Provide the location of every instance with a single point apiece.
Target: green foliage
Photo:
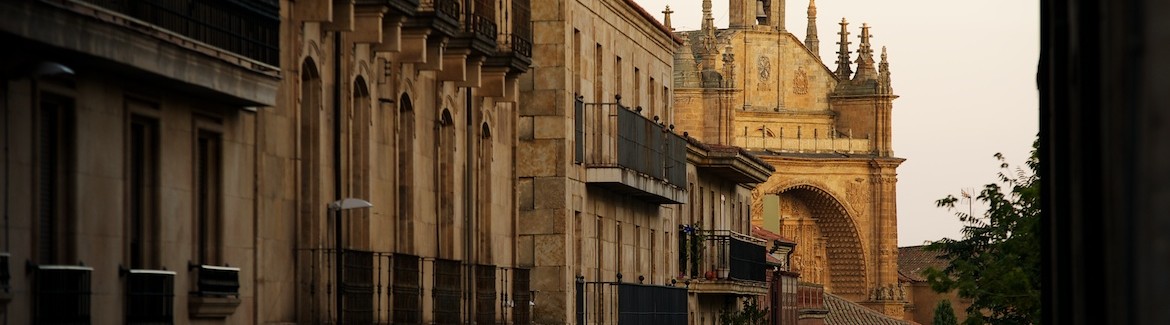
(997, 263)
(696, 243)
(751, 314)
(944, 314)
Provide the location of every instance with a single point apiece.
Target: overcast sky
(965, 71)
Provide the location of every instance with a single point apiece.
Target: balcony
(62, 294)
(629, 303)
(217, 291)
(515, 51)
(150, 296)
(630, 154)
(249, 28)
(723, 261)
(442, 16)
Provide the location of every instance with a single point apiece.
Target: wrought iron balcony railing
(250, 28)
(218, 281)
(724, 255)
(629, 303)
(521, 37)
(613, 135)
(62, 294)
(150, 296)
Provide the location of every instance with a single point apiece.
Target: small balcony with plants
(722, 261)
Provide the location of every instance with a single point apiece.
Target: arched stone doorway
(829, 247)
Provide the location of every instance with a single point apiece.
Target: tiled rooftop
(845, 312)
(912, 260)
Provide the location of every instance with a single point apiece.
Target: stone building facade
(176, 161)
(411, 107)
(611, 193)
(826, 132)
(130, 149)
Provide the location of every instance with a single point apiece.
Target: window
(446, 166)
(617, 76)
(208, 197)
(142, 222)
(405, 172)
(638, 90)
(55, 158)
(598, 71)
(576, 48)
(484, 226)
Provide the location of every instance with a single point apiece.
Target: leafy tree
(944, 314)
(997, 263)
(751, 314)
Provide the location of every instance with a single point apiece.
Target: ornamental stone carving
(800, 81)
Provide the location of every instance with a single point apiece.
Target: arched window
(446, 169)
(309, 153)
(405, 175)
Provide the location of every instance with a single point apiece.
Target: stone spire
(865, 69)
(843, 69)
(708, 19)
(666, 17)
(728, 68)
(708, 39)
(810, 38)
(884, 86)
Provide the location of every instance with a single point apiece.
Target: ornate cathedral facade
(826, 130)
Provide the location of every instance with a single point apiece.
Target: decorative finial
(810, 39)
(666, 17)
(885, 86)
(844, 70)
(865, 69)
(708, 45)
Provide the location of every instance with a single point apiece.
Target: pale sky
(966, 74)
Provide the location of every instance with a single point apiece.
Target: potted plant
(696, 243)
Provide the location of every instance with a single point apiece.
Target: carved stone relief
(800, 81)
(764, 65)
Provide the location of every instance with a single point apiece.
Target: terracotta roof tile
(913, 260)
(845, 312)
(761, 233)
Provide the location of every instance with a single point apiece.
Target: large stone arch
(844, 267)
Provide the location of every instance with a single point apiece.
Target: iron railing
(220, 281)
(522, 298)
(521, 37)
(446, 291)
(357, 287)
(612, 135)
(388, 288)
(250, 28)
(629, 303)
(727, 255)
(150, 296)
(405, 291)
(481, 20)
(448, 8)
(485, 294)
(62, 294)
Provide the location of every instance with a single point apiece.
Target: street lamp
(337, 207)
